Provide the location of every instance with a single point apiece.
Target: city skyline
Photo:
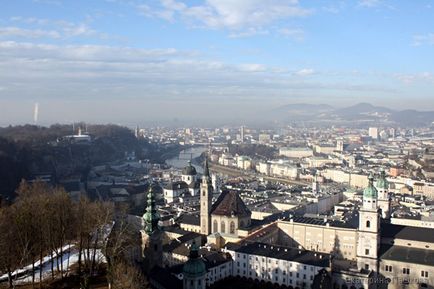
(132, 61)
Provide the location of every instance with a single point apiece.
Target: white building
(276, 264)
(296, 152)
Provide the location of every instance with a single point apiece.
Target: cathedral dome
(370, 191)
(194, 267)
(382, 183)
(189, 170)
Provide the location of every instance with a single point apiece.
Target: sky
(135, 61)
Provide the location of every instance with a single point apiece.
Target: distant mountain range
(357, 112)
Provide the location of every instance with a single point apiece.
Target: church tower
(369, 227)
(194, 270)
(382, 187)
(152, 235)
(206, 192)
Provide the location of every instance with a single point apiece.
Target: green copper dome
(151, 217)
(194, 267)
(370, 191)
(382, 183)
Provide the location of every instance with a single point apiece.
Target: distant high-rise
(242, 133)
(373, 132)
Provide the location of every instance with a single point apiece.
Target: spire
(370, 191)
(382, 182)
(151, 217)
(206, 168)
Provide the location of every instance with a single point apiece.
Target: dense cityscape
(216, 144)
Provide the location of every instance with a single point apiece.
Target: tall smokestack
(36, 113)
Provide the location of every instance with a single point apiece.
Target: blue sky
(132, 61)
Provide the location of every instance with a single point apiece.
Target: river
(181, 160)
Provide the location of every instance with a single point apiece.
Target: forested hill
(28, 150)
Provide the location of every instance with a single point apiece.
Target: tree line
(44, 222)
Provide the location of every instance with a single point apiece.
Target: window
(367, 266)
(368, 224)
(222, 227)
(405, 271)
(388, 268)
(366, 251)
(215, 225)
(424, 274)
(232, 227)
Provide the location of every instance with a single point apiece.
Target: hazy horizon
(167, 61)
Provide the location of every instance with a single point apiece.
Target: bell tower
(382, 187)
(206, 191)
(369, 227)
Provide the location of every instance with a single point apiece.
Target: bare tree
(126, 276)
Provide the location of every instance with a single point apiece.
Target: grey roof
(180, 185)
(407, 254)
(282, 253)
(407, 233)
(190, 219)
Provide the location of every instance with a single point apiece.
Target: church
(186, 188)
(222, 220)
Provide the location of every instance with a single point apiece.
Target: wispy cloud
(369, 3)
(305, 72)
(27, 33)
(415, 77)
(423, 39)
(293, 33)
(61, 28)
(242, 17)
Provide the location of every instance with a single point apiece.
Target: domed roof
(194, 267)
(370, 191)
(189, 170)
(382, 183)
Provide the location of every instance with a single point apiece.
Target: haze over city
(173, 61)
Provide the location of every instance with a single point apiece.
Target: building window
(405, 271)
(424, 274)
(388, 268)
(232, 227)
(368, 224)
(223, 227)
(367, 266)
(215, 226)
(366, 251)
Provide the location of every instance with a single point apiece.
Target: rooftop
(282, 253)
